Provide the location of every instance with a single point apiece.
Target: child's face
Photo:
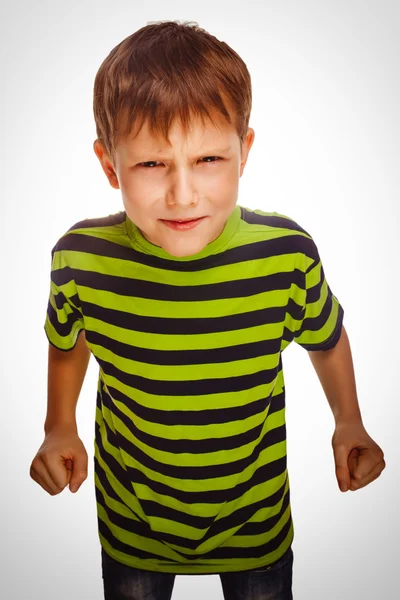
(179, 182)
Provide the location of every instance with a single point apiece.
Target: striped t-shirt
(190, 437)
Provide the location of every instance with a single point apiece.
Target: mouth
(182, 220)
(182, 224)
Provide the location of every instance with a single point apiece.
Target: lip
(182, 220)
(184, 224)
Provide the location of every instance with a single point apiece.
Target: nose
(182, 190)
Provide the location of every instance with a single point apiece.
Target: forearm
(66, 373)
(335, 371)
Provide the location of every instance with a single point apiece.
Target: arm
(358, 459)
(66, 373)
(62, 457)
(335, 372)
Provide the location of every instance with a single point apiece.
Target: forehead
(198, 134)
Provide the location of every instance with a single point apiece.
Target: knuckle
(35, 463)
(44, 457)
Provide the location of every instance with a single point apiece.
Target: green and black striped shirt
(190, 435)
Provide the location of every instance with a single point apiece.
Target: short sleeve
(320, 324)
(64, 319)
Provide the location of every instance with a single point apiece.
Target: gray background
(326, 153)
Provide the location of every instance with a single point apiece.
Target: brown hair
(168, 69)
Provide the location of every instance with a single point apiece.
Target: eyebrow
(159, 152)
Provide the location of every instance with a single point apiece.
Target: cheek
(132, 189)
(224, 185)
(138, 196)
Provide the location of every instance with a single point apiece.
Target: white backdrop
(326, 153)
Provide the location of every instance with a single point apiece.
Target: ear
(247, 144)
(106, 163)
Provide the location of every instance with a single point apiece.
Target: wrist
(60, 426)
(353, 418)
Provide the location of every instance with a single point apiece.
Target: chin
(181, 251)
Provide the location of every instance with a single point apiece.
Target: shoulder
(91, 232)
(99, 223)
(292, 236)
(270, 219)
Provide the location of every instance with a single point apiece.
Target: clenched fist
(61, 460)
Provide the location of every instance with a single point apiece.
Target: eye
(216, 157)
(146, 165)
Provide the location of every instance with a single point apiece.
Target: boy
(187, 301)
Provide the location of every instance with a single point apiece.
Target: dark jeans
(268, 583)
